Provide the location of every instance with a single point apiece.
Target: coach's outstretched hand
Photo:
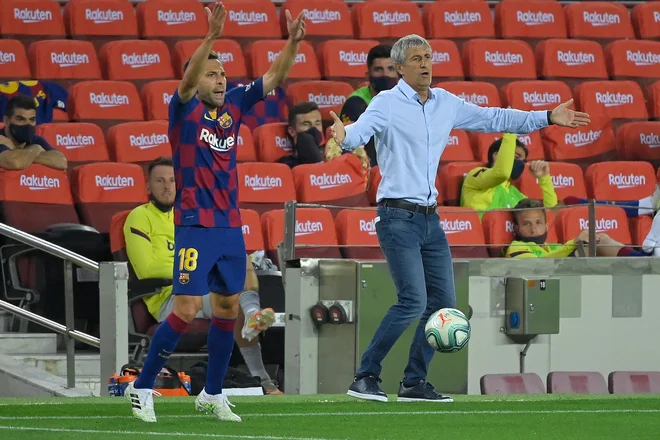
(296, 27)
(565, 117)
(337, 129)
(216, 19)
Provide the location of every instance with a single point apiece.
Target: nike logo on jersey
(217, 144)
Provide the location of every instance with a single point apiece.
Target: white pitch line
(157, 433)
(354, 414)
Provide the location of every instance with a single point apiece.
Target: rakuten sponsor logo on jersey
(474, 98)
(261, 183)
(602, 225)
(462, 18)
(534, 18)
(391, 18)
(440, 57)
(74, 141)
(110, 183)
(103, 17)
(7, 57)
(609, 99)
(600, 18)
(499, 59)
(325, 101)
(69, 59)
(572, 59)
(455, 226)
(353, 58)
(368, 226)
(28, 16)
(216, 143)
(300, 58)
(316, 16)
(36, 183)
(104, 100)
(582, 138)
(146, 141)
(307, 228)
(640, 58)
(651, 140)
(243, 18)
(326, 181)
(179, 17)
(543, 99)
(622, 181)
(137, 61)
(283, 143)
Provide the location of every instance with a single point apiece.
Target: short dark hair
(160, 161)
(212, 56)
(380, 51)
(495, 147)
(528, 204)
(301, 108)
(23, 102)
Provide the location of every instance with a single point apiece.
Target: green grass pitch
(340, 417)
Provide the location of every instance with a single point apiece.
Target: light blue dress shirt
(410, 137)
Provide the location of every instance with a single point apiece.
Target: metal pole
(113, 291)
(289, 244)
(70, 323)
(592, 228)
(51, 325)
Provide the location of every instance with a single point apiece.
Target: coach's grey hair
(400, 48)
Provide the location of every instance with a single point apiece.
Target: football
(447, 330)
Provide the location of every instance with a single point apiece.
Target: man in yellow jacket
(487, 188)
(149, 234)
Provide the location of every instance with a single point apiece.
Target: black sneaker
(367, 388)
(422, 392)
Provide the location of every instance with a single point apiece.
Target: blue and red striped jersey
(204, 156)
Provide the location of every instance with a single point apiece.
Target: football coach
(411, 124)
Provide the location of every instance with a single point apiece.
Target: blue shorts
(208, 260)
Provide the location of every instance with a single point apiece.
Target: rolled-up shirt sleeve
(372, 122)
(494, 119)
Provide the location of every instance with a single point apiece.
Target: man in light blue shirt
(411, 125)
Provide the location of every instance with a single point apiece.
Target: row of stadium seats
(572, 382)
(249, 19)
(100, 190)
(345, 60)
(142, 141)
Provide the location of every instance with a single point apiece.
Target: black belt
(396, 203)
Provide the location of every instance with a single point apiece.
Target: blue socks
(163, 343)
(220, 346)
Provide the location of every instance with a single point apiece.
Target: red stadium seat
(571, 61)
(245, 144)
(325, 18)
(530, 21)
(64, 60)
(264, 186)
(601, 21)
(271, 142)
(464, 233)
(617, 100)
(171, 20)
(262, 53)
(653, 93)
(576, 382)
(252, 232)
(583, 145)
(328, 95)
(611, 220)
(446, 60)
(137, 61)
(637, 60)
(345, 60)
(634, 382)
(248, 20)
(229, 53)
(100, 21)
(482, 141)
(535, 95)
(356, 229)
(450, 180)
(458, 20)
(567, 178)
(31, 20)
(620, 181)
(458, 148)
(386, 20)
(645, 18)
(640, 228)
(498, 61)
(80, 142)
(522, 383)
(14, 63)
(139, 142)
(156, 96)
(639, 141)
(483, 94)
(372, 184)
(105, 103)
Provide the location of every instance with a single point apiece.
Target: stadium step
(28, 343)
(86, 364)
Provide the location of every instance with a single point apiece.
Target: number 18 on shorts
(208, 260)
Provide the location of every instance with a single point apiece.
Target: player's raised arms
(196, 67)
(281, 67)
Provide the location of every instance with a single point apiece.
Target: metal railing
(113, 278)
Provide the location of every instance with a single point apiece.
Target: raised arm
(195, 69)
(494, 120)
(281, 67)
(371, 122)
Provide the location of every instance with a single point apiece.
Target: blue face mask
(518, 168)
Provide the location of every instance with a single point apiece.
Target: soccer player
(209, 247)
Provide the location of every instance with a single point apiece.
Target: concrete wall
(608, 318)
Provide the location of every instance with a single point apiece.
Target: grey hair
(400, 48)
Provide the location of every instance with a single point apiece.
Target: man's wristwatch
(549, 119)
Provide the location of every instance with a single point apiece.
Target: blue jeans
(418, 256)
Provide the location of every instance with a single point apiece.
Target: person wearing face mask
(530, 231)
(490, 187)
(20, 147)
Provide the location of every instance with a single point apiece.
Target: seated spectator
(651, 243)
(490, 187)
(305, 132)
(48, 96)
(20, 147)
(149, 234)
(381, 75)
(531, 231)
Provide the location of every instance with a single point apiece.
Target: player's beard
(211, 102)
(164, 207)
